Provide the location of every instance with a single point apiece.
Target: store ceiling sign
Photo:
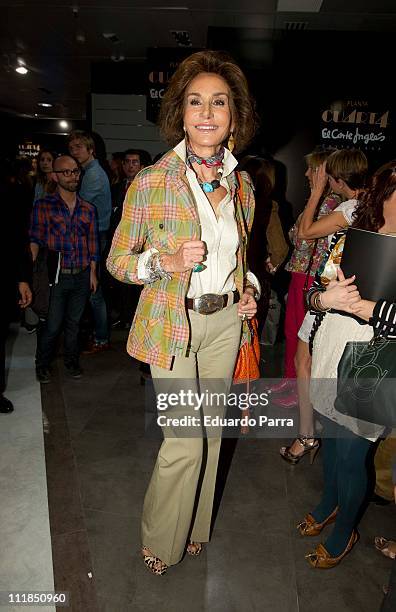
(28, 149)
(355, 123)
(162, 63)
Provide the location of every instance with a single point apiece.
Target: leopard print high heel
(153, 564)
(194, 549)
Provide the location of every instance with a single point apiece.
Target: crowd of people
(174, 251)
(60, 232)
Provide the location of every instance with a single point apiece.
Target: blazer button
(161, 226)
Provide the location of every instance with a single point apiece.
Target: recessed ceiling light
(64, 125)
(21, 70)
(299, 6)
(111, 37)
(44, 104)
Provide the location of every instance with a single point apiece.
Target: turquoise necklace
(210, 162)
(209, 187)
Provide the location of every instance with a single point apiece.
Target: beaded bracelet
(150, 271)
(157, 268)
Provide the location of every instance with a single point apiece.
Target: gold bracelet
(316, 302)
(323, 308)
(312, 300)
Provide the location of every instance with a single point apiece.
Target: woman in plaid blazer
(183, 234)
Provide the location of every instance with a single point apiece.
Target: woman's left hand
(247, 305)
(363, 309)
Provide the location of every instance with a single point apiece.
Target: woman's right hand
(190, 253)
(341, 294)
(319, 179)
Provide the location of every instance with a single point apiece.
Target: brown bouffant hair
(369, 213)
(350, 165)
(241, 103)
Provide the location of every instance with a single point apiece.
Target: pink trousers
(295, 313)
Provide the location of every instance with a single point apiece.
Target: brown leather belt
(211, 302)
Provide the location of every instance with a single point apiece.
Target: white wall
(121, 122)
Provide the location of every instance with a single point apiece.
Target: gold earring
(231, 142)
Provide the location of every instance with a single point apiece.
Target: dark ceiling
(58, 40)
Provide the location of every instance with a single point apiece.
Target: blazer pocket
(148, 333)
(151, 305)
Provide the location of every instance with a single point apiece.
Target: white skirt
(329, 344)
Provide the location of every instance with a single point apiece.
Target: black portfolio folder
(372, 257)
(54, 259)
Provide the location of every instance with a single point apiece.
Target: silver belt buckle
(209, 303)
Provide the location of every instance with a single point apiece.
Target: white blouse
(220, 235)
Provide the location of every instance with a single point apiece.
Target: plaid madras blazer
(160, 211)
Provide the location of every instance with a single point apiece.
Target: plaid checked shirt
(75, 236)
(160, 211)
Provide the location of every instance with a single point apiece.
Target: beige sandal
(153, 564)
(386, 547)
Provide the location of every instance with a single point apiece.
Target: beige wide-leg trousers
(175, 508)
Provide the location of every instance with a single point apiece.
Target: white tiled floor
(25, 551)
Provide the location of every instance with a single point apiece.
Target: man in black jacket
(16, 263)
(124, 298)
(131, 165)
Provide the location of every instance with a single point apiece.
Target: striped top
(384, 319)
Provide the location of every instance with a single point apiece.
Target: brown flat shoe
(321, 558)
(309, 527)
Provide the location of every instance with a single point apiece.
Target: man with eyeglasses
(66, 225)
(94, 188)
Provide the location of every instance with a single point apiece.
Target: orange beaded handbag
(247, 366)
